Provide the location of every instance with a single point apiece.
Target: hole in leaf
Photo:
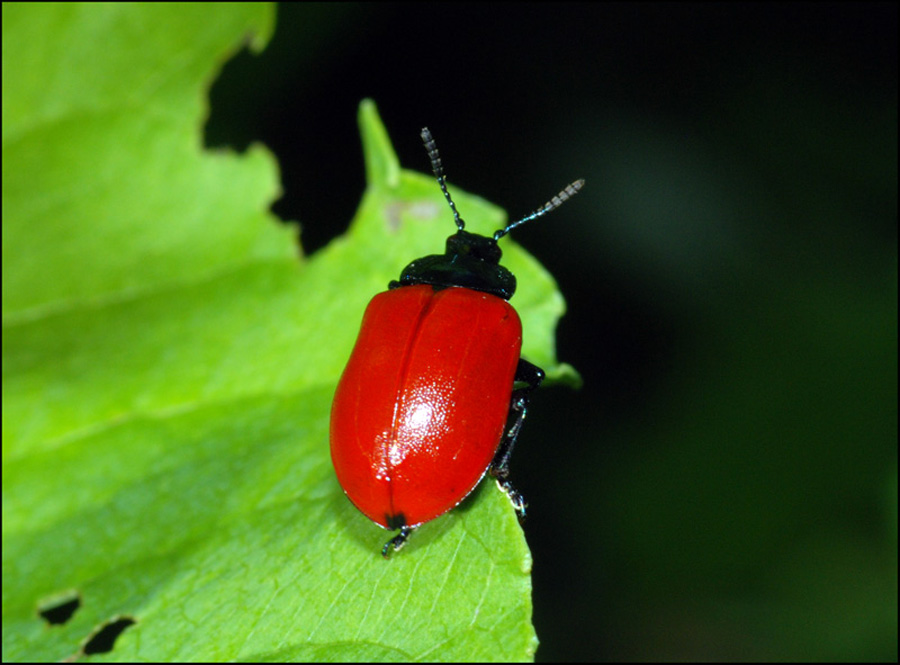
(104, 639)
(59, 609)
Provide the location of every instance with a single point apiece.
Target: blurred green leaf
(169, 362)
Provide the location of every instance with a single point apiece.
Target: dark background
(724, 486)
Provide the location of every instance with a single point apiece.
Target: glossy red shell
(422, 405)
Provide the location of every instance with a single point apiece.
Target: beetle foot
(396, 542)
(515, 498)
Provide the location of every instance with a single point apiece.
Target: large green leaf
(168, 366)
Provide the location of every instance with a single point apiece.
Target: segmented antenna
(438, 170)
(552, 204)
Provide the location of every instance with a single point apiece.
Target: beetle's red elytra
(421, 411)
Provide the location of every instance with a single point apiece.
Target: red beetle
(421, 410)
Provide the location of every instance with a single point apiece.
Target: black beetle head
(470, 261)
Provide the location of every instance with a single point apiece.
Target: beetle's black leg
(531, 376)
(397, 541)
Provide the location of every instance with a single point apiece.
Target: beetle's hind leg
(398, 541)
(531, 376)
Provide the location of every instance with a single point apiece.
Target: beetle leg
(531, 376)
(397, 541)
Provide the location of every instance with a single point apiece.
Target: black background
(724, 486)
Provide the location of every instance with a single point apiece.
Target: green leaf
(168, 366)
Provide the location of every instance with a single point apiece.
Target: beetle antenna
(438, 170)
(552, 204)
